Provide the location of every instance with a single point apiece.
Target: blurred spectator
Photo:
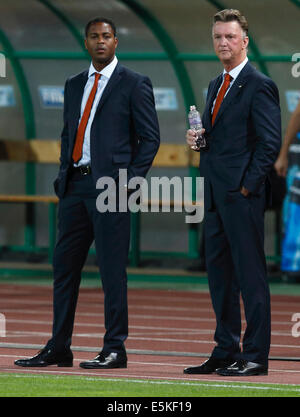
(281, 165)
(288, 167)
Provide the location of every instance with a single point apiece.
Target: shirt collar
(235, 71)
(107, 71)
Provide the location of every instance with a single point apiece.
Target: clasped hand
(191, 138)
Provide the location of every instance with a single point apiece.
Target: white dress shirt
(105, 76)
(234, 73)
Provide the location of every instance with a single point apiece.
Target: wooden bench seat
(45, 151)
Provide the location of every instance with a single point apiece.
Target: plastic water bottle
(196, 125)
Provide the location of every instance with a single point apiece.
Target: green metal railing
(296, 2)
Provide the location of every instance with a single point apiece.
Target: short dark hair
(230, 15)
(100, 20)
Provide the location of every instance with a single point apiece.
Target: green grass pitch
(30, 385)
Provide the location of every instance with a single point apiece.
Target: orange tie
(220, 96)
(77, 151)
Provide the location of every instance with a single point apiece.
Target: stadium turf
(29, 385)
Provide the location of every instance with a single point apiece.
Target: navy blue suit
(124, 134)
(125, 115)
(243, 145)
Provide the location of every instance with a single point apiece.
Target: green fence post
(182, 75)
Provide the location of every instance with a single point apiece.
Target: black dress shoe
(243, 368)
(106, 361)
(208, 367)
(48, 357)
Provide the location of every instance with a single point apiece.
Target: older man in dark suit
(243, 133)
(110, 123)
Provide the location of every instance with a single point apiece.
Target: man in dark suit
(243, 134)
(110, 123)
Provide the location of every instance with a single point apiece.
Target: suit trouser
(234, 244)
(79, 223)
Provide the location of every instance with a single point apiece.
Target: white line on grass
(212, 384)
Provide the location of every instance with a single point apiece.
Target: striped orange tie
(222, 92)
(77, 151)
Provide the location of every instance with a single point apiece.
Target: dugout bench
(47, 152)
